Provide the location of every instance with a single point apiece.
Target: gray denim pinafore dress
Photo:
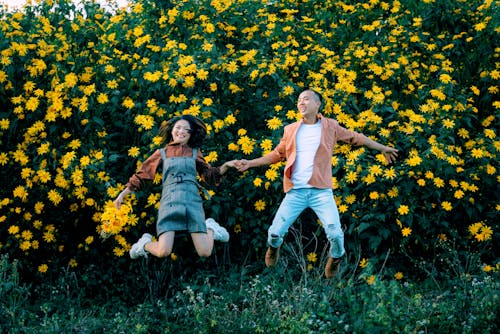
(181, 206)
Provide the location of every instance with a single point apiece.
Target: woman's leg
(203, 243)
(162, 247)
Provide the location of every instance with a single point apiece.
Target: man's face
(307, 104)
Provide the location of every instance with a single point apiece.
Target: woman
(181, 205)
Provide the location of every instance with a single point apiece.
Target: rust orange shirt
(149, 167)
(331, 133)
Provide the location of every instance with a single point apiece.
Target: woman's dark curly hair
(198, 130)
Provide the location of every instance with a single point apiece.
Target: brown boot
(272, 256)
(332, 267)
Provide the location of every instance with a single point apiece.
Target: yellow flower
(351, 177)
(4, 159)
(483, 236)
(463, 133)
(371, 280)
(477, 153)
(274, 123)
(13, 229)
(72, 263)
(233, 88)
(25, 245)
(152, 76)
(233, 147)
(112, 84)
(350, 199)
(403, 210)
(133, 152)
(390, 173)
(489, 133)
(153, 199)
(271, 174)
(232, 67)
(44, 176)
(207, 47)
(312, 257)
(406, 231)
(145, 121)
(448, 124)
(118, 251)
(48, 237)
(257, 182)
(3, 77)
(343, 208)
(474, 228)
(128, 103)
(157, 140)
(439, 182)
(21, 193)
(211, 157)
(480, 26)
(363, 263)
(39, 207)
(260, 205)
(230, 119)
(54, 197)
(414, 161)
(173, 256)
(487, 268)
(218, 125)
(109, 69)
(398, 275)
(113, 220)
(447, 206)
(4, 124)
(43, 268)
(288, 90)
(32, 104)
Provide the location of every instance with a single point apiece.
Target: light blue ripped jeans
(321, 201)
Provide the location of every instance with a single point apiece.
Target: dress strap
(163, 159)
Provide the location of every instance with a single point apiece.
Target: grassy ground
(241, 300)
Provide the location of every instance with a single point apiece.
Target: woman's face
(181, 132)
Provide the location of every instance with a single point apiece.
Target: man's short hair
(318, 95)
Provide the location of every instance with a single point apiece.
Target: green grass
(250, 299)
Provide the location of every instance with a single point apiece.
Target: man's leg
(290, 208)
(325, 208)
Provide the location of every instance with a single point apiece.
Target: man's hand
(390, 154)
(242, 165)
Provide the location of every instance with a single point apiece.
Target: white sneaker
(137, 249)
(220, 233)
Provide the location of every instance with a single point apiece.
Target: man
(307, 145)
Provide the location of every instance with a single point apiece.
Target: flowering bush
(84, 90)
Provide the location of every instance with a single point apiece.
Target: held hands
(227, 165)
(241, 165)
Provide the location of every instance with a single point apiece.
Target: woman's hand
(227, 165)
(119, 199)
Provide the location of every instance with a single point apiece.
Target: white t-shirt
(307, 143)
